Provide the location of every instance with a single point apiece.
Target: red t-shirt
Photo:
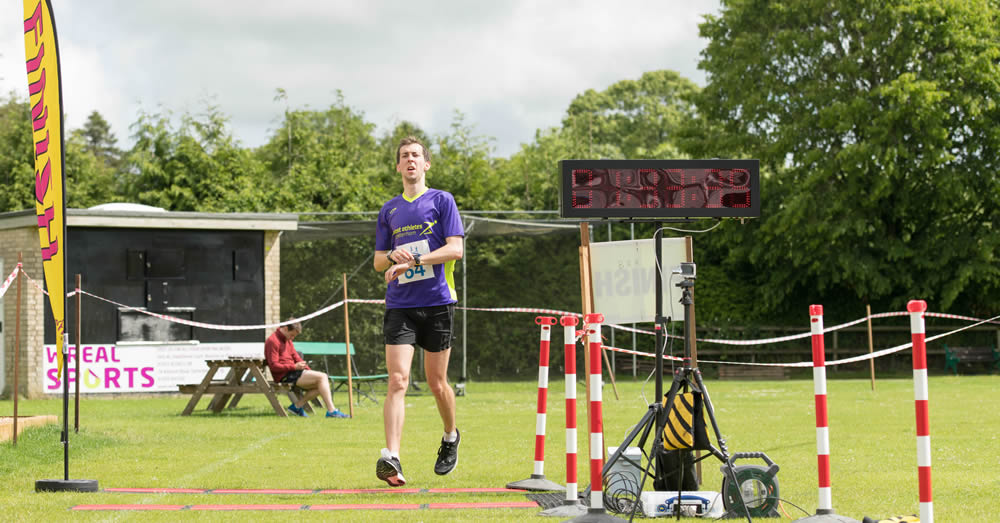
(281, 355)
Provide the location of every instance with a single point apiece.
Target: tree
(390, 141)
(632, 119)
(97, 139)
(17, 160)
(197, 167)
(461, 165)
(878, 122)
(638, 118)
(89, 179)
(532, 174)
(325, 161)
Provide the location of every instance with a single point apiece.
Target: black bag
(669, 474)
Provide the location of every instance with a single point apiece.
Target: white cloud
(512, 67)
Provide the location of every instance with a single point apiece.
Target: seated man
(287, 367)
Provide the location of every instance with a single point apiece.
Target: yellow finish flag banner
(41, 53)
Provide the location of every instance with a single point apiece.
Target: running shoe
(447, 455)
(336, 413)
(389, 470)
(298, 411)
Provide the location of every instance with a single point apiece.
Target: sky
(511, 67)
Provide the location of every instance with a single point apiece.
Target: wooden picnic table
(245, 376)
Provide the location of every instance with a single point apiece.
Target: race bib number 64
(420, 272)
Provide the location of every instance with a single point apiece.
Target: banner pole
(65, 430)
(41, 51)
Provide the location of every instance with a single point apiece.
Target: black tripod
(685, 378)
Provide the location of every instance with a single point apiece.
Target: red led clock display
(660, 189)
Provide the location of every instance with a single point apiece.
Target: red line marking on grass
(372, 491)
(129, 507)
(246, 507)
(262, 491)
(344, 506)
(158, 490)
(373, 506)
(480, 489)
(500, 504)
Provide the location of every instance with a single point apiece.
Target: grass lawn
(146, 443)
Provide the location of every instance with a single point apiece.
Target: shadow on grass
(793, 446)
(238, 412)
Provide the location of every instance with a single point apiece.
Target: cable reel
(756, 486)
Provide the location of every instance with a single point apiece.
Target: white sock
(450, 437)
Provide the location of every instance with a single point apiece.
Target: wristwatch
(416, 260)
(388, 256)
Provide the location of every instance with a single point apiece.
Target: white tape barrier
(214, 325)
(807, 334)
(640, 353)
(69, 294)
(7, 282)
(863, 357)
(324, 310)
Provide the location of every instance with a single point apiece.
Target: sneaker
(389, 470)
(298, 411)
(447, 455)
(335, 413)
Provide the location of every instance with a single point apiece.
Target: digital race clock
(659, 189)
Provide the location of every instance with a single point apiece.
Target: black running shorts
(291, 377)
(429, 327)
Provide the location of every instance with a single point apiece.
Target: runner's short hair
(409, 140)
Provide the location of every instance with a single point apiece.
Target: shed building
(211, 269)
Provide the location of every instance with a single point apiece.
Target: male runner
(418, 238)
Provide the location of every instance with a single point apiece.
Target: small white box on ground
(699, 503)
(629, 463)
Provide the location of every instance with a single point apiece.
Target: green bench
(955, 356)
(364, 384)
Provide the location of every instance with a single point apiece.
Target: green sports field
(146, 443)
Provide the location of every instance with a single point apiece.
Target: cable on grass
(621, 492)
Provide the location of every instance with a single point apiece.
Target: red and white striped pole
(571, 505)
(822, 423)
(569, 335)
(596, 424)
(916, 308)
(537, 480)
(546, 323)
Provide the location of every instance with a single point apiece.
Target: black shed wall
(209, 276)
